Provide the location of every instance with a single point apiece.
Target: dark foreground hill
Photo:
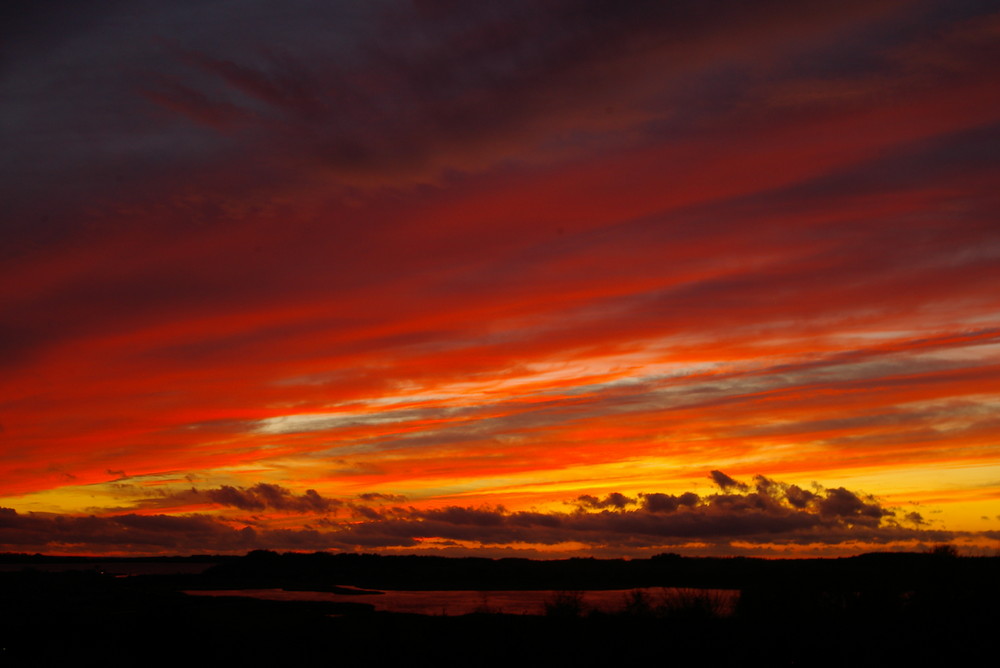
(874, 610)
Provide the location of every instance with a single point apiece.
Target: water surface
(511, 602)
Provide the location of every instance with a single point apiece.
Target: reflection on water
(517, 602)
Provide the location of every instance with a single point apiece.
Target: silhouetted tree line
(896, 571)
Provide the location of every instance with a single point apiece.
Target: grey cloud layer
(101, 100)
(358, 87)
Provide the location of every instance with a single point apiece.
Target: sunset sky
(514, 278)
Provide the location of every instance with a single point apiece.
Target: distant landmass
(874, 609)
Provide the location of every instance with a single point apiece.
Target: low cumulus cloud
(260, 497)
(762, 512)
(264, 496)
(613, 500)
(140, 533)
(658, 502)
(725, 482)
(378, 496)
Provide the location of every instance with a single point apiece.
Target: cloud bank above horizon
(767, 517)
